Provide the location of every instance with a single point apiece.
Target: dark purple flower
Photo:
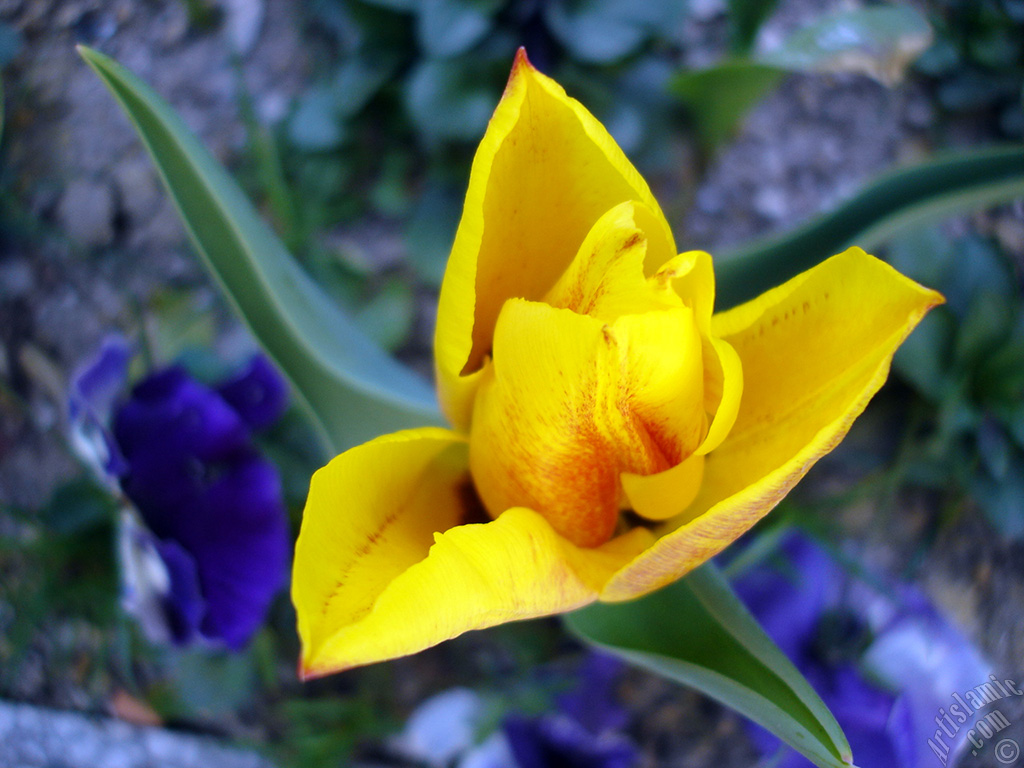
(558, 741)
(592, 703)
(182, 604)
(585, 730)
(203, 490)
(160, 585)
(257, 393)
(170, 414)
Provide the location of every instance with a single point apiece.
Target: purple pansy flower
(214, 548)
(838, 631)
(257, 393)
(584, 731)
(201, 487)
(94, 388)
(557, 741)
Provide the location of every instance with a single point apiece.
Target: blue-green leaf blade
(953, 183)
(351, 387)
(697, 632)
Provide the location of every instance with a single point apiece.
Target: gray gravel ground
(35, 737)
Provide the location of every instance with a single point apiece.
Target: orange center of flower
(603, 378)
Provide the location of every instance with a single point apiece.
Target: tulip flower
(608, 433)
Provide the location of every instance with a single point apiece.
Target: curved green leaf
(718, 97)
(697, 632)
(350, 386)
(950, 184)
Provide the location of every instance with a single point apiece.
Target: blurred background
(351, 125)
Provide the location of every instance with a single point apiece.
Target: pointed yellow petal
(606, 279)
(371, 514)
(476, 576)
(545, 172)
(569, 403)
(690, 276)
(813, 353)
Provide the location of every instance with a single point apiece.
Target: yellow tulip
(609, 434)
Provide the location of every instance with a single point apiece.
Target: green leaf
(350, 386)
(451, 99)
(79, 506)
(698, 633)
(604, 31)
(431, 228)
(319, 120)
(450, 27)
(923, 359)
(745, 20)
(1000, 376)
(718, 97)
(315, 125)
(209, 683)
(389, 316)
(950, 184)
(880, 41)
(983, 329)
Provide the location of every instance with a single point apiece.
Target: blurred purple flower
(94, 387)
(210, 499)
(592, 703)
(160, 586)
(836, 629)
(558, 741)
(257, 393)
(215, 546)
(584, 731)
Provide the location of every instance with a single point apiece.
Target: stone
(86, 212)
(34, 737)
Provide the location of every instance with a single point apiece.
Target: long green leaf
(954, 183)
(351, 387)
(697, 632)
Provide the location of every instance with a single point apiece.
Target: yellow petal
(813, 353)
(545, 172)
(569, 403)
(371, 514)
(666, 494)
(475, 576)
(606, 278)
(690, 276)
(723, 390)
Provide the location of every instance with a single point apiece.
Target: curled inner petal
(569, 403)
(545, 171)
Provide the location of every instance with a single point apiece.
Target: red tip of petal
(520, 65)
